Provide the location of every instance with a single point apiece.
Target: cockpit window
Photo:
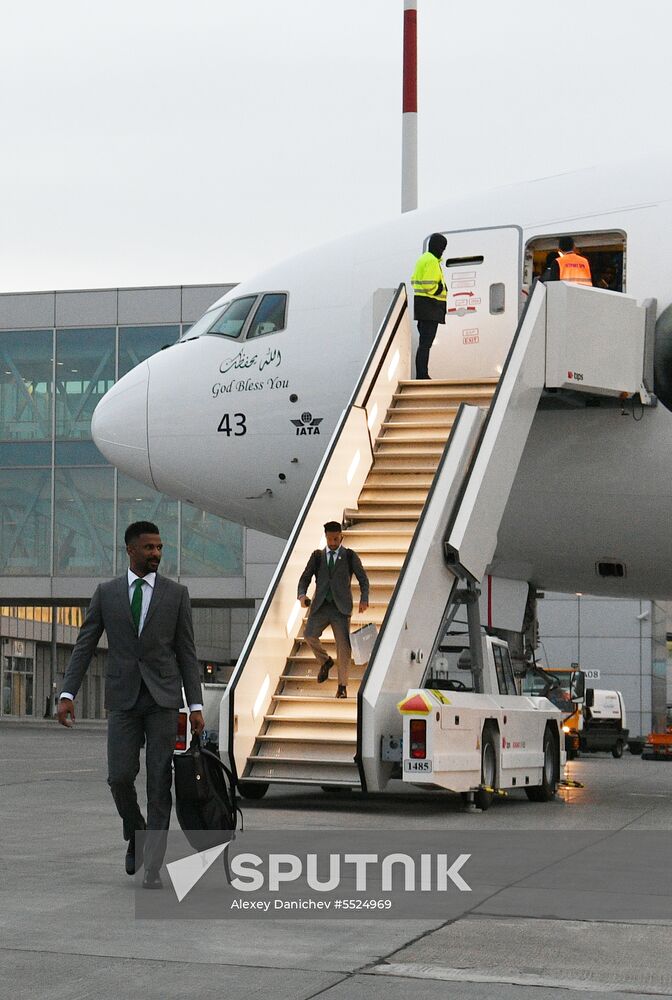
(223, 321)
(270, 315)
(230, 322)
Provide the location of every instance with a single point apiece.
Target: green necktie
(136, 603)
(330, 568)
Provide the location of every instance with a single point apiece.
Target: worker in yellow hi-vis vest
(429, 304)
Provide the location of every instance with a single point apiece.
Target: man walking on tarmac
(429, 308)
(151, 656)
(332, 604)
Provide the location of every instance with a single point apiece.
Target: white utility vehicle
(604, 722)
(468, 730)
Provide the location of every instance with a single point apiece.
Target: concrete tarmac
(68, 929)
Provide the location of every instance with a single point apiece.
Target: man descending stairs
(332, 569)
(309, 736)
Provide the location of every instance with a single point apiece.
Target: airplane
(236, 416)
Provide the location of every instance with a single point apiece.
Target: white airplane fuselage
(238, 427)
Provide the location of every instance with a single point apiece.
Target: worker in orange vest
(570, 265)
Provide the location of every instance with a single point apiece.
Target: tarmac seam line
(445, 974)
(175, 961)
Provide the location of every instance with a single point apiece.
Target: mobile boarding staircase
(422, 472)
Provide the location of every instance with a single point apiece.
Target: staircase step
(390, 478)
(422, 405)
(456, 387)
(405, 461)
(392, 493)
(416, 433)
(318, 773)
(393, 448)
(309, 677)
(321, 714)
(348, 721)
(368, 516)
(310, 737)
(442, 422)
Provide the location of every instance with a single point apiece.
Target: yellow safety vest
(427, 279)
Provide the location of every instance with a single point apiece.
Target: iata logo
(308, 424)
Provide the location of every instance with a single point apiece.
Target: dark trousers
(427, 333)
(145, 723)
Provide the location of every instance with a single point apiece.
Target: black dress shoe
(152, 879)
(133, 859)
(129, 860)
(323, 674)
(342, 691)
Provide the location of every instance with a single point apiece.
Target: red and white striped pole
(409, 128)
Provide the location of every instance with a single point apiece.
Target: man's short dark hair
(138, 528)
(333, 526)
(566, 244)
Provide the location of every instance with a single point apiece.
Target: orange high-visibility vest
(574, 267)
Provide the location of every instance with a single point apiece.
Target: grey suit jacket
(163, 655)
(341, 589)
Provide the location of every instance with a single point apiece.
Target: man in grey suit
(151, 656)
(332, 604)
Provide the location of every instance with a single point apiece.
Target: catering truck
(470, 731)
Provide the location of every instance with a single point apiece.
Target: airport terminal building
(64, 508)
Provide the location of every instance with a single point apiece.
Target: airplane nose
(119, 424)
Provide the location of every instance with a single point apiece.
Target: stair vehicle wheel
(482, 798)
(549, 779)
(252, 789)
(617, 750)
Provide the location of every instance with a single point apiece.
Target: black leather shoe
(152, 879)
(133, 859)
(342, 691)
(130, 857)
(323, 674)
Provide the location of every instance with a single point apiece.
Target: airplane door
(482, 269)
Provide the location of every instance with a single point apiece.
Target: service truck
(604, 722)
(469, 730)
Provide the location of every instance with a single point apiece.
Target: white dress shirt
(147, 591)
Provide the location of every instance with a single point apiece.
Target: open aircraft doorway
(606, 253)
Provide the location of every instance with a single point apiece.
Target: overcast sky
(164, 142)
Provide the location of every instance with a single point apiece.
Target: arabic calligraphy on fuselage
(242, 360)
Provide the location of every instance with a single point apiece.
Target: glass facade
(85, 370)
(25, 522)
(63, 508)
(210, 546)
(26, 384)
(83, 522)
